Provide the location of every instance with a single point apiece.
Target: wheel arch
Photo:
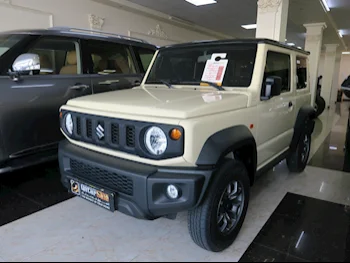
(237, 140)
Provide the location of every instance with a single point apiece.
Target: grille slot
(102, 177)
(130, 136)
(115, 133)
(89, 128)
(79, 126)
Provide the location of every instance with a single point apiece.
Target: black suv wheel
(297, 160)
(215, 224)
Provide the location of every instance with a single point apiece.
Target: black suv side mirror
(272, 87)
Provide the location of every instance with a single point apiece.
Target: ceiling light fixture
(300, 47)
(251, 26)
(325, 5)
(340, 33)
(290, 44)
(346, 53)
(201, 2)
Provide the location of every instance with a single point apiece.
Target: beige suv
(207, 119)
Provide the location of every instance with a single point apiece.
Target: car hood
(159, 102)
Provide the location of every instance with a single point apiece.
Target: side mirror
(27, 64)
(273, 87)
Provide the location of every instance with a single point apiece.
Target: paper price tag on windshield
(215, 69)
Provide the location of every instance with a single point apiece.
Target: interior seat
(72, 64)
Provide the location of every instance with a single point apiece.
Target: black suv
(40, 70)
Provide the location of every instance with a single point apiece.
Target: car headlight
(156, 141)
(69, 123)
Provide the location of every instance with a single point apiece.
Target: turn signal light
(175, 134)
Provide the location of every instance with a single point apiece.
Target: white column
(328, 72)
(272, 19)
(313, 44)
(336, 84)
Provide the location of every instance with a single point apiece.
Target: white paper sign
(215, 70)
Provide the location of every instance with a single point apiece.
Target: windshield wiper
(167, 84)
(206, 82)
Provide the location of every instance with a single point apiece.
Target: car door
(30, 105)
(113, 66)
(277, 114)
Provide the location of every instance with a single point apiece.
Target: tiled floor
(303, 229)
(28, 191)
(75, 230)
(331, 154)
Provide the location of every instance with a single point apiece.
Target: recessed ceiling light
(290, 44)
(201, 2)
(251, 26)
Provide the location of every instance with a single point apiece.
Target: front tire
(215, 224)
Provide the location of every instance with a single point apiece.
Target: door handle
(109, 82)
(79, 87)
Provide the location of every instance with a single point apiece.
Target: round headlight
(69, 123)
(156, 141)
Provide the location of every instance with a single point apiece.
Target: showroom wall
(92, 14)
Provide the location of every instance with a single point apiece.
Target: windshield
(192, 65)
(8, 41)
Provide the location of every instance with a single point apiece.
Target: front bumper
(140, 189)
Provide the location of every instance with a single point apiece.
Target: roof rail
(94, 32)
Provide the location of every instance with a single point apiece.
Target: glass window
(145, 56)
(58, 56)
(185, 66)
(278, 64)
(301, 73)
(111, 58)
(8, 41)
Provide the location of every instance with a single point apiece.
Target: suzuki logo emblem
(100, 132)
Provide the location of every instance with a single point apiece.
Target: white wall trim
(143, 35)
(5, 3)
(135, 8)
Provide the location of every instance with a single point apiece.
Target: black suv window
(8, 41)
(145, 56)
(111, 58)
(301, 73)
(58, 56)
(278, 64)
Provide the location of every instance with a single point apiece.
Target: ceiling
(227, 16)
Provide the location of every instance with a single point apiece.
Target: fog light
(172, 191)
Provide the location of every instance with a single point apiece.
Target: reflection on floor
(332, 154)
(303, 229)
(30, 190)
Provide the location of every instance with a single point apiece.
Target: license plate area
(93, 194)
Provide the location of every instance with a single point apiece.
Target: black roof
(85, 34)
(237, 41)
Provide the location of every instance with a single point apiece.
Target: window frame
(77, 44)
(298, 56)
(89, 62)
(289, 55)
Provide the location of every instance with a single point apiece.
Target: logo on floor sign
(75, 187)
(100, 132)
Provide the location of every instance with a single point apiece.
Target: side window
(58, 56)
(145, 55)
(301, 73)
(111, 58)
(278, 64)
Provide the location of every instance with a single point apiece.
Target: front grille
(102, 177)
(130, 136)
(115, 133)
(89, 128)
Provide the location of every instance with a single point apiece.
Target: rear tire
(297, 160)
(214, 225)
(320, 105)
